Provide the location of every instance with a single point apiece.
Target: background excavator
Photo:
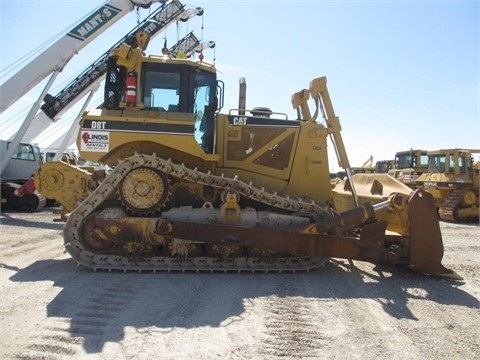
(194, 189)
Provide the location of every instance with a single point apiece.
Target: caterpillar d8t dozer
(193, 189)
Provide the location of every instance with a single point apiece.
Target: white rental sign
(97, 141)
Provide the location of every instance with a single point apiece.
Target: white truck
(18, 191)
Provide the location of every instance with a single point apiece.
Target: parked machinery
(384, 166)
(453, 180)
(409, 165)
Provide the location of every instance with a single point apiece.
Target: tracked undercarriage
(127, 222)
(461, 206)
(132, 222)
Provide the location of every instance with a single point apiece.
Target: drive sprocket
(144, 190)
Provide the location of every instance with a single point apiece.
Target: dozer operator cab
(167, 85)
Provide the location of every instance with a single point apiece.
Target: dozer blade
(426, 245)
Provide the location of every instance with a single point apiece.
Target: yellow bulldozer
(409, 165)
(195, 189)
(453, 180)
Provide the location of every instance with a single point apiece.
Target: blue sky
(401, 74)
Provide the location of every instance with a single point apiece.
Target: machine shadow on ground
(100, 305)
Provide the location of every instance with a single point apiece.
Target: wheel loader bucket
(426, 245)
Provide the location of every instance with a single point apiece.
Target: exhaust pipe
(242, 96)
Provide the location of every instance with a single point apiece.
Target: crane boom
(59, 53)
(52, 61)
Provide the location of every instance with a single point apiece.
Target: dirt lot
(52, 309)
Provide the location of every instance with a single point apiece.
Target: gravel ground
(52, 309)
